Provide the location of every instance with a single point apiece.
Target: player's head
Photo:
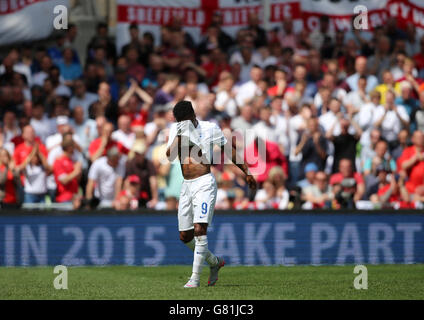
(183, 110)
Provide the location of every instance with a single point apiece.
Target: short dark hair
(183, 110)
(134, 26)
(102, 25)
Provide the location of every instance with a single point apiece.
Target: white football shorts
(197, 201)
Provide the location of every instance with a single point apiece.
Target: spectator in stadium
(390, 119)
(364, 117)
(84, 128)
(69, 69)
(81, 97)
(262, 155)
(265, 129)
(55, 52)
(382, 160)
(300, 76)
(105, 178)
(165, 93)
(8, 71)
(329, 81)
(245, 120)
(127, 199)
(35, 171)
(67, 172)
(398, 64)
(41, 124)
(381, 58)
(273, 194)
(361, 70)
(142, 167)
(40, 76)
(161, 118)
(410, 74)
(310, 171)
(403, 143)
(10, 127)
(388, 84)
(393, 193)
(411, 162)
(418, 115)
(280, 80)
(135, 42)
(331, 118)
(382, 156)
(9, 181)
(225, 194)
(101, 38)
(121, 81)
(344, 143)
(286, 36)
(356, 99)
(63, 127)
(99, 146)
(136, 103)
(408, 102)
(318, 194)
(58, 84)
(104, 106)
(24, 149)
(124, 135)
(348, 185)
(368, 149)
(250, 88)
(135, 69)
(313, 145)
(225, 41)
(225, 95)
(245, 58)
(216, 65)
(254, 29)
(55, 153)
(323, 35)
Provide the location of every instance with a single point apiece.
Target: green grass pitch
(239, 283)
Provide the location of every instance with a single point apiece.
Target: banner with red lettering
(150, 15)
(340, 13)
(197, 14)
(407, 11)
(27, 20)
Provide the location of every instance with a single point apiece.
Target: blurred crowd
(341, 115)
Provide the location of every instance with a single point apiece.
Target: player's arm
(241, 165)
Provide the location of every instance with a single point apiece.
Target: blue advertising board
(243, 239)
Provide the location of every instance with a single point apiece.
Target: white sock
(211, 259)
(200, 251)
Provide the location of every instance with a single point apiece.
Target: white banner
(27, 20)
(150, 15)
(340, 12)
(196, 14)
